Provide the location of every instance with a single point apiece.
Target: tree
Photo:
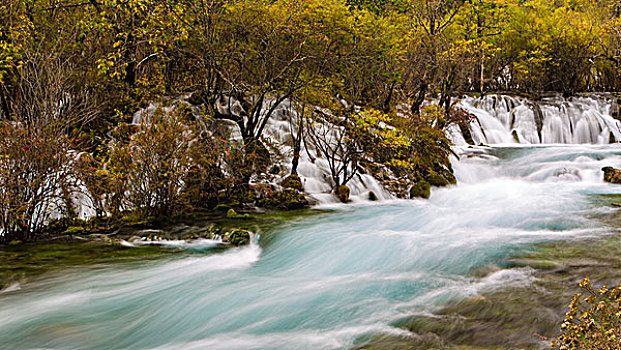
(159, 161)
(333, 139)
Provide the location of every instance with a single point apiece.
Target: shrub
(147, 173)
(36, 179)
(593, 321)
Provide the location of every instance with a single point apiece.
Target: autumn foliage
(593, 321)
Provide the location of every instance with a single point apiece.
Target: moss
(74, 230)
(450, 177)
(233, 214)
(612, 175)
(437, 180)
(239, 237)
(27, 260)
(287, 199)
(293, 181)
(421, 189)
(342, 193)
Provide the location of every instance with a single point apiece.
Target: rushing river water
(326, 281)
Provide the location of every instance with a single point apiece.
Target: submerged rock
(421, 189)
(342, 193)
(612, 175)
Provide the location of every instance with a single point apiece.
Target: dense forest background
(74, 72)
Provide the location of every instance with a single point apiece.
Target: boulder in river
(372, 196)
(239, 237)
(286, 200)
(421, 189)
(612, 175)
(342, 193)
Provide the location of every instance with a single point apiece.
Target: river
(328, 280)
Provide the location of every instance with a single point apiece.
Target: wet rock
(612, 175)
(421, 189)
(287, 199)
(342, 193)
(293, 181)
(238, 237)
(515, 136)
(372, 196)
(438, 180)
(74, 230)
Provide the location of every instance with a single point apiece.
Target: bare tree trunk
(420, 98)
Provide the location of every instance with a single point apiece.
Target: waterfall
(500, 119)
(331, 280)
(503, 119)
(314, 171)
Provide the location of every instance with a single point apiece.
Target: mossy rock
(293, 181)
(421, 189)
(342, 193)
(287, 199)
(233, 214)
(437, 180)
(74, 230)
(612, 175)
(372, 196)
(450, 177)
(239, 237)
(441, 179)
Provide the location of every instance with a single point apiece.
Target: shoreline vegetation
(23, 262)
(80, 176)
(159, 108)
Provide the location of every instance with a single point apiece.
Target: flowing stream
(329, 280)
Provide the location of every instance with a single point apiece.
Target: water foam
(326, 281)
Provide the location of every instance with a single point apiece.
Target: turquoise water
(323, 282)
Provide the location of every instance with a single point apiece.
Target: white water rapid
(328, 280)
(502, 119)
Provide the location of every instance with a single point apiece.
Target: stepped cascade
(331, 280)
(503, 119)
